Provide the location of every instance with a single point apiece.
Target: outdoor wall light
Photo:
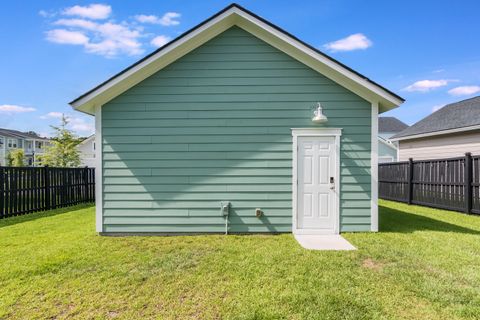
(318, 116)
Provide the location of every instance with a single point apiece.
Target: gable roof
(18, 134)
(261, 28)
(390, 124)
(454, 117)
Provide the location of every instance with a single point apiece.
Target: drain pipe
(225, 210)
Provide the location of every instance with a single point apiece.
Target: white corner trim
(437, 133)
(374, 170)
(315, 132)
(236, 16)
(98, 170)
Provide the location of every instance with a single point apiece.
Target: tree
(16, 158)
(62, 150)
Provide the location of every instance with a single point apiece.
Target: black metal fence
(29, 189)
(452, 184)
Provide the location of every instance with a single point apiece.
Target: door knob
(332, 183)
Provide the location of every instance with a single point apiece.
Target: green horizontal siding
(216, 126)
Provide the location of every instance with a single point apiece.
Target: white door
(316, 193)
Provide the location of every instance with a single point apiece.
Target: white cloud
(67, 37)
(81, 23)
(107, 39)
(357, 41)
(12, 109)
(159, 41)
(46, 14)
(52, 115)
(116, 38)
(427, 85)
(93, 11)
(168, 19)
(464, 90)
(80, 125)
(75, 123)
(143, 18)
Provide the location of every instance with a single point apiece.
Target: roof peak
(254, 24)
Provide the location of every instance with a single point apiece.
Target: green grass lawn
(424, 264)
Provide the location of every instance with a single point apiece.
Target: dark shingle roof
(456, 115)
(19, 134)
(390, 124)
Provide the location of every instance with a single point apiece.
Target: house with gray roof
(388, 127)
(32, 144)
(449, 132)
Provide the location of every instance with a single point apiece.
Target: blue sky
(52, 51)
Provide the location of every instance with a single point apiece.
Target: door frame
(315, 132)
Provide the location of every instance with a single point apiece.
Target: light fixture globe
(318, 116)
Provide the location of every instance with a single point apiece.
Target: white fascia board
(316, 61)
(258, 28)
(388, 144)
(437, 133)
(154, 63)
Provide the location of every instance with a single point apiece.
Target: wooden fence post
(46, 182)
(410, 181)
(468, 182)
(2, 193)
(85, 181)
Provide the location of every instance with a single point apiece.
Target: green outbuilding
(236, 126)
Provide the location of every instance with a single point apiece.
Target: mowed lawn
(424, 264)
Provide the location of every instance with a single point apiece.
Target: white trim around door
(329, 134)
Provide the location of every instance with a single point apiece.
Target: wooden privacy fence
(28, 189)
(452, 184)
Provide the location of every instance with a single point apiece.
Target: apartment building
(32, 144)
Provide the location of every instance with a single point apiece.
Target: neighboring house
(219, 121)
(388, 127)
(32, 145)
(449, 132)
(387, 151)
(87, 152)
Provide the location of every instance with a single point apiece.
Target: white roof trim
(88, 139)
(201, 34)
(437, 133)
(387, 143)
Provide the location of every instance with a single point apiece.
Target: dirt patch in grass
(372, 264)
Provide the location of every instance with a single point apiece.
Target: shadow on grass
(393, 220)
(38, 215)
